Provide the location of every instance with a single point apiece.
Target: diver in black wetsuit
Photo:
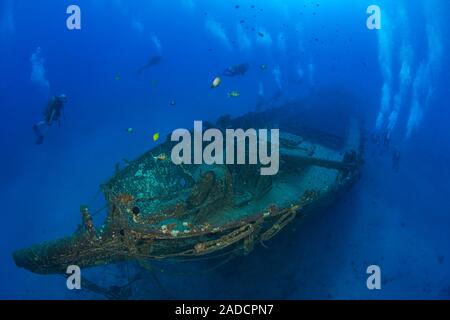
(52, 114)
(236, 70)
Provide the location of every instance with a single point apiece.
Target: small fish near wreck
(234, 94)
(159, 210)
(216, 82)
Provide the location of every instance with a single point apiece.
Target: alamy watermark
(74, 277)
(374, 280)
(235, 148)
(374, 20)
(73, 22)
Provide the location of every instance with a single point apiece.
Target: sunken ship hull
(159, 210)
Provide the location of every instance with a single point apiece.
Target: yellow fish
(234, 94)
(156, 136)
(216, 82)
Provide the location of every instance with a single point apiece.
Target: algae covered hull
(159, 210)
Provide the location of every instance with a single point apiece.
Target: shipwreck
(158, 210)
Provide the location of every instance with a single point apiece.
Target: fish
(156, 136)
(130, 130)
(161, 157)
(173, 103)
(234, 94)
(263, 66)
(117, 77)
(261, 34)
(216, 82)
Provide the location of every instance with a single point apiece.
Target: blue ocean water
(398, 76)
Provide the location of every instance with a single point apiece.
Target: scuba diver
(236, 70)
(386, 140)
(396, 160)
(52, 114)
(152, 62)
